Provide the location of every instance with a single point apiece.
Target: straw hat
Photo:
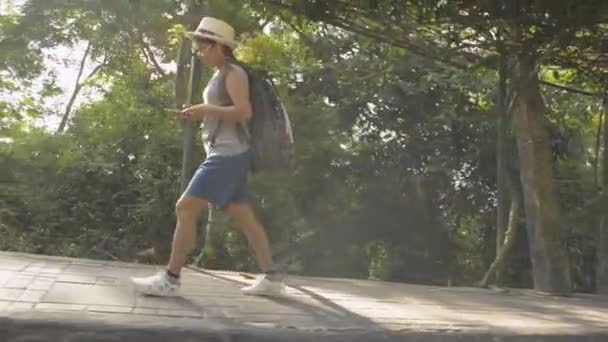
(216, 30)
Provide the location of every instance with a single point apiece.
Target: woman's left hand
(196, 112)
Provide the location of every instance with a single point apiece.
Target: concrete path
(45, 298)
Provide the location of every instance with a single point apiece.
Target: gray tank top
(228, 140)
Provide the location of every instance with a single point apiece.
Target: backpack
(268, 132)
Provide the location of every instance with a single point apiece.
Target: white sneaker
(265, 286)
(156, 285)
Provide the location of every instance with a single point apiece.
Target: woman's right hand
(192, 113)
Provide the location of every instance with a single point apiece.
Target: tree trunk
(161, 243)
(602, 247)
(181, 74)
(207, 254)
(550, 265)
(188, 126)
(502, 207)
(208, 231)
(598, 146)
(602, 254)
(193, 91)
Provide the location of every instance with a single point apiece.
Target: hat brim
(230, 43)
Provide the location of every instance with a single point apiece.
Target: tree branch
(97, 68)
(512, 226)
(138, 39)
(392, 38)
(510, 236)
(77, 87)
(570, 89)
(150, 55)
(308, 41)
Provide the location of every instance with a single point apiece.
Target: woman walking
(221, 180)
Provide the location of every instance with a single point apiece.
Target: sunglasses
(203, 44)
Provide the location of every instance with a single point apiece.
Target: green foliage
(395, 170)
(107, 185)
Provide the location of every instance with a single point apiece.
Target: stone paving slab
(42, 296)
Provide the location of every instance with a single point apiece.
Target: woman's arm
(237, 86)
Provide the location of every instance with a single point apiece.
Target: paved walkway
(42, 295)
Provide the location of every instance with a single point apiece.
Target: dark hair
(228, 52)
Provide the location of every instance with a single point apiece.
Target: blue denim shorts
(221, 180)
